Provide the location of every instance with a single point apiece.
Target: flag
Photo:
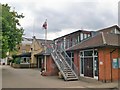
(45, 25)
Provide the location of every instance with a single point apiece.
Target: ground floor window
(89, 63)
(25, 60)
(71, 55)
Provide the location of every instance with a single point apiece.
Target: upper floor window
(88, 35)
(85, 36)
(23, 51)
(81, 36)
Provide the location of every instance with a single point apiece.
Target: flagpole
(45, 46)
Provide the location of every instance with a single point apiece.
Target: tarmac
(32, 78)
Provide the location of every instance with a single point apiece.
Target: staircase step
(69, 79)
(71, 76)
(66, 70)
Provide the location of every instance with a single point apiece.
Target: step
(67, 71)
(70, 74)
(69, 79)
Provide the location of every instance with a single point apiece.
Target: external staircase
(62, 60)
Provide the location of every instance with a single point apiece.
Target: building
(38, 47)
(72, 39)
(28, 51)
(23, 55)
(96, 56)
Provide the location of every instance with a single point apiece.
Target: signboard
(115, 63)
(119, 62)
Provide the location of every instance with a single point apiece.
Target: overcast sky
(64, 16)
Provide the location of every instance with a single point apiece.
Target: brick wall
(105, 64)
(52, 69)
(77, 61)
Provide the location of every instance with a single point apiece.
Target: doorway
(39, 62)
(88, 67)
(89, 63)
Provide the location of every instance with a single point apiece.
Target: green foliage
(11, 29)
(17, 60)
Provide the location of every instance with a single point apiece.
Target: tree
(11, 30)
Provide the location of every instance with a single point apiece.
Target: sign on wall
(119, 62)
(115, 63)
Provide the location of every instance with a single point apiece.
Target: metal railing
(70, 62)
(62, 59)
(59, 62)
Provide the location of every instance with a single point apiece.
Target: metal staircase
(61, 59)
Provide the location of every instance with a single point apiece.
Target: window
(81, 54)
(81, 36)
(82, 67)
(25, 60)
(78, 39)
(88, 35)
(91, 55)
(95, 53)
(64, 42)
(88, 53)
(96, 66)
(85, 36)
(23, 51)
(71, 55)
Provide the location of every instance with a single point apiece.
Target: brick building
(96, 56)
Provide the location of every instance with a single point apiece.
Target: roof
(43, 41)
(26, 40)
(48, 52)
(100, 39)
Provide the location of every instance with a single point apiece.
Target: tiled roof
(48, 51)
(101, 39)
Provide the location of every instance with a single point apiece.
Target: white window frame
(95, 77)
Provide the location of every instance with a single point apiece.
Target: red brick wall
(105, 68)
(115, 71)
(51, 67)
(77, 60)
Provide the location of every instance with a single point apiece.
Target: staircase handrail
(75, 68)
(60, 67)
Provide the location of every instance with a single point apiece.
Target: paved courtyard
(31, 78)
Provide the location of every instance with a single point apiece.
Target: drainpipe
(111, 62)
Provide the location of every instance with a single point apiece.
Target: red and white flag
(45, 24)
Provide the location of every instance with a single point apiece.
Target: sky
(64, 16)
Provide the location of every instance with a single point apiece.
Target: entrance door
(39, 62)
(88, 67)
